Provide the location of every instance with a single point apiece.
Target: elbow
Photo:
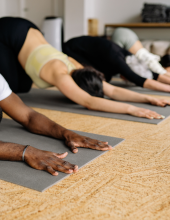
(89, 103)
(26, 123)
(28, 120)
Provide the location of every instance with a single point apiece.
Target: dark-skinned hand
(48, 161)
(74, 141)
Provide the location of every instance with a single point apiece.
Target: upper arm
(16, 109)
(108, 89)
(69, 88)
(58, 76)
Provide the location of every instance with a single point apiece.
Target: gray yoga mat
(134, 88)
(20, 173)
(55, 100)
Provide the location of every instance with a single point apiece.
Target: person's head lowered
(90, 80)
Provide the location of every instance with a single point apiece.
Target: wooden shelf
(137, 25)
(140, 25)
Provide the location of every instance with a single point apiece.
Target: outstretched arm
(38, 159)
(69, 88)
(121, 94)
(39, 124)
(159, 85)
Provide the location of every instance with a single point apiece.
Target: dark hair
(165, 61)
(90, 80)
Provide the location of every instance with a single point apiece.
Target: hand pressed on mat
(122, 94)
(141, 112)
(74, 141)
(37, 159)
(48, 161)
(144, 113)
(159, 102)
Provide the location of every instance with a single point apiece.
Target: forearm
(101, 104)
(40, 124)
(121, 94)
(121, 108)
(30, 119)
(10, 151)
(155, 85)
(37, 159)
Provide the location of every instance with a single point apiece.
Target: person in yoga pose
(36, 123)
(109, 58)
(127, 39)
(26, 55)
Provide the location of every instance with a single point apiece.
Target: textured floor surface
(130, 182)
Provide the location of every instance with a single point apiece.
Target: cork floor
(130, 182)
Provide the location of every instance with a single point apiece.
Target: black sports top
(104, 55)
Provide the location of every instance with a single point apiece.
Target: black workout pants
(105, 56)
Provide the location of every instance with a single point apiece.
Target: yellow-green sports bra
(39, 57)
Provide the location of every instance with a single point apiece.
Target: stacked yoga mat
(154, 13)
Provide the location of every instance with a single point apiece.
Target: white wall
(77, 12)
(34, 10)
(58, 8)
(37, 10)
(12, 7)
(74, 18)
(89, 12)
(2, 8)
(117, 11)
(9, 8)
(76, 15)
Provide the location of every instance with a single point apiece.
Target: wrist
(58, 132)
(66, 134)
(23, 154)
(148, 99)
(130, 109)
(29, 151)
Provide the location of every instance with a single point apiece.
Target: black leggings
(13, 32)
(105, 56)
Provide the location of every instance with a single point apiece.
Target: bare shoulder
(76, 63)
(53, 70)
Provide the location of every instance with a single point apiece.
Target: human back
(19, 38)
